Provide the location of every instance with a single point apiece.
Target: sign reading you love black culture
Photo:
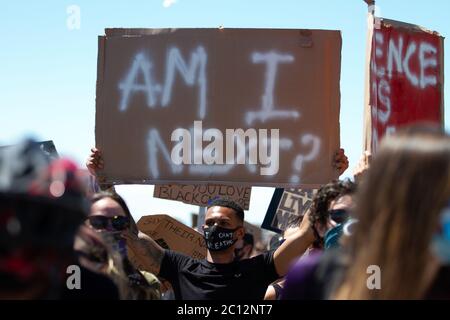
(203, 195)
(218, 106)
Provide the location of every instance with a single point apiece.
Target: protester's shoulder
(304, 268)
(176, 255)
(262, 258)
(309, 261)
(178, 258)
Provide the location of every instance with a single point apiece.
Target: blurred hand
(363, 165)
(95, 162)
(340, 161)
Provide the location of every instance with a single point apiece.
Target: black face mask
(218, 238)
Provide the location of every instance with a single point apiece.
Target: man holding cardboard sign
(220, 276)
(247, 107)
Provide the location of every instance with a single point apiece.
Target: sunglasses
(339, 215)
(116, 223)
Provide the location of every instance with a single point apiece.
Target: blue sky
(48, 72)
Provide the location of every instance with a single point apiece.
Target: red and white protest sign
(406, 77)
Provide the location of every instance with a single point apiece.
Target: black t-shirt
(201, 280)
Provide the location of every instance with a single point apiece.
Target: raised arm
(362, 167)
(95, 165)
(295, 245)
(149, 253)
(94, 162)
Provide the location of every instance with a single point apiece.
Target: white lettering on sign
(399, 60)
(409, 52)
(176, 62)
(142, 65)
(398, 57)
(268, 112)
(308, 140)
(223, 151)
(394, 55)
(235, 140)
(209, 169)
(155, 144)
(425, 63)
(384, 91)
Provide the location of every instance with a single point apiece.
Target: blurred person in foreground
(110, 218)
(42, 205)
(403, 224)
(403, 228)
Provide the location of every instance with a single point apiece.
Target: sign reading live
(202, 195)
(218, 106)
(286, 205)
(406, 77)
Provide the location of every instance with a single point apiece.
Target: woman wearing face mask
(110, 218)
(330, 211)
(330, 216)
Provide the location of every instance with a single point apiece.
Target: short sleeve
(266, 264)
(172, 263)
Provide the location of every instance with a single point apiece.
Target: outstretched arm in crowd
(149, 252)
(293, 247)
(362, 167)
(296, 245)
(95, 166)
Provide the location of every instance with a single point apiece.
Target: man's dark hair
(325, 195)
(228, 203)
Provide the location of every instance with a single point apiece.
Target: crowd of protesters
(384, 236)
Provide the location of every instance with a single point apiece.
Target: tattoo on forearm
(154, 253)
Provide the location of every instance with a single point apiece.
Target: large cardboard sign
(286, 204)
(406, 78)
(218, 106)
(169, 234)
(202, 195)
